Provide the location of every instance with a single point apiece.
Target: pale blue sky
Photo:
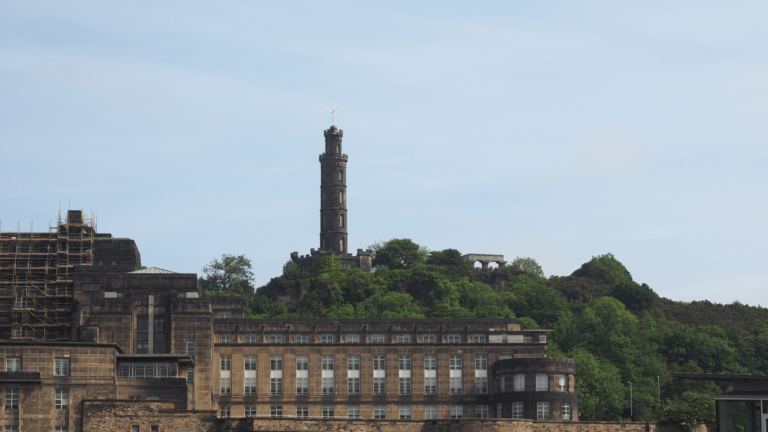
(556, 130)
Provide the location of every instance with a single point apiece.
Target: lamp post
(658, 389)
(631, 410)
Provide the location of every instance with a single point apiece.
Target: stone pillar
(484, 264)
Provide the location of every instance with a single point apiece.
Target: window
(144, 370)
(566, 411)
(353, 386)
(276, 363)
(225, 386)
(249, 363)
(86, 310)
(353, 411)
(327, 386)
(159, 325)
(481, 411)
(456, 385)
(11, 399)
(542, 339)
(561, 383)
(428, 338)
(300, 339)
(352, 338)
(403, 338)
(455, 362)
(542, 410)
(430, 386)
(528, 339)
(250, 386)
(141, 347)
(326, 338)
(542, 382)
(302, 386)
(341, 174)
(379, 386)
(134, 428)
(11, 428)
(499, 410)
(225, 315)
(190, 376)
(62, 399)
(327, 362)
(341, 220)
(481, 385)
(505, 357)
(191, 348)
(430, 412)
(249, 338)
(182, 295)
(405, 412)
(275, 386)
(328, 412)
(224, 411)
(226, 363)
(225, 338)
(457, 412)
(405, 386)
(481, 362)
(454, 338)
(60, 429)
(250, 411)
(519, 382)
(377, 338)
(478, 338)
(341, 245)
(379, 363)
(13, 364)
(302, 411)
(404, 362)
(341, 197)
(153, 398)
(302, 363)
(275, 338)
(353, 362)
(91, 287)
(276, 411)
(430, 362)
(517, 410)
(119, 295)
(379, 412)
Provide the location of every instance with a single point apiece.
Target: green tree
(689, 409)
(398, 254)
(635, 297)
(528, 266)
(447, 257)
(230, 274)
(291, 270)
(604, 269)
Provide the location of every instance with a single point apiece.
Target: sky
(553, 130)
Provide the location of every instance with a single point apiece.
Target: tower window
(338, 148)
(341, 176)
(341, 220)
(341, 197)
(341, 245)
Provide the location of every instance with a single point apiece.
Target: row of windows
(277, 338)
(353, 362)
(61, 399)
(353, 386)
(542, 382)
(60, 365)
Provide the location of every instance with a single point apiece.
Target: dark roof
(58, 343)
(719, 377)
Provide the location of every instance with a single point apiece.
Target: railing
(20, 376)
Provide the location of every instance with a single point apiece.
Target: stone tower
(333, 194)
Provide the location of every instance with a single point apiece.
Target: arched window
(341, 245)
(341, 197)
(338, 148)
(341, 176)
(341, 220)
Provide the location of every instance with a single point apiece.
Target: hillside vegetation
(617, 330)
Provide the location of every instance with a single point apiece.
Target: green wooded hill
(617, 329)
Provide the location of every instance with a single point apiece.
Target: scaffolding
(37, 277)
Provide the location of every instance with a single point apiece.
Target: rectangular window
(517, 410)
(60, 429)
(430, 362)
(275, 386)
(499, 411)
(566, 411)
(225, 315)
(481, 385)
(224, 411)
(430, 412)
(379, 412)
(454, 338)
(379, 363)
(11, 399)
(225, 338)
(430, 386)
(505, 357)
(276, 363)
(352, 338)
(250, 411)
(249, 363)
(250, 386)
(377, 338)
(225, 387)
(86, 310)
(62, 399)
(455, 362)
(327, 386)
(13, 364)
(353, 362)
(11, 429)
(226, 363)
(159, 346)
(91, 287)
(300, 339)
(542, 382)
(379, 386)
(353, 386)
(142, 347)
(302, 411)
(528, 339)
(481, 362)
(159, 325)
(302, 386)
(542, 339)
(327, 362)
(326, 338)
(353, 411)
(190, 376)
(276, 339)
(561, 383)
(191, 348)
(276, 411)
(455, 385)
(144, 370)
(542, 410)
(519, 382)
(249, 338)
(481, 411)
(404, 362)
(405, 412)
(478, 338)
(328, 412)
(134, 428)
(457, 412)
(428, 338)
(403, 338)
(302, 363)
(405, 386)
(61, 367)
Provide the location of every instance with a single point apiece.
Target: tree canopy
(230, 274)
